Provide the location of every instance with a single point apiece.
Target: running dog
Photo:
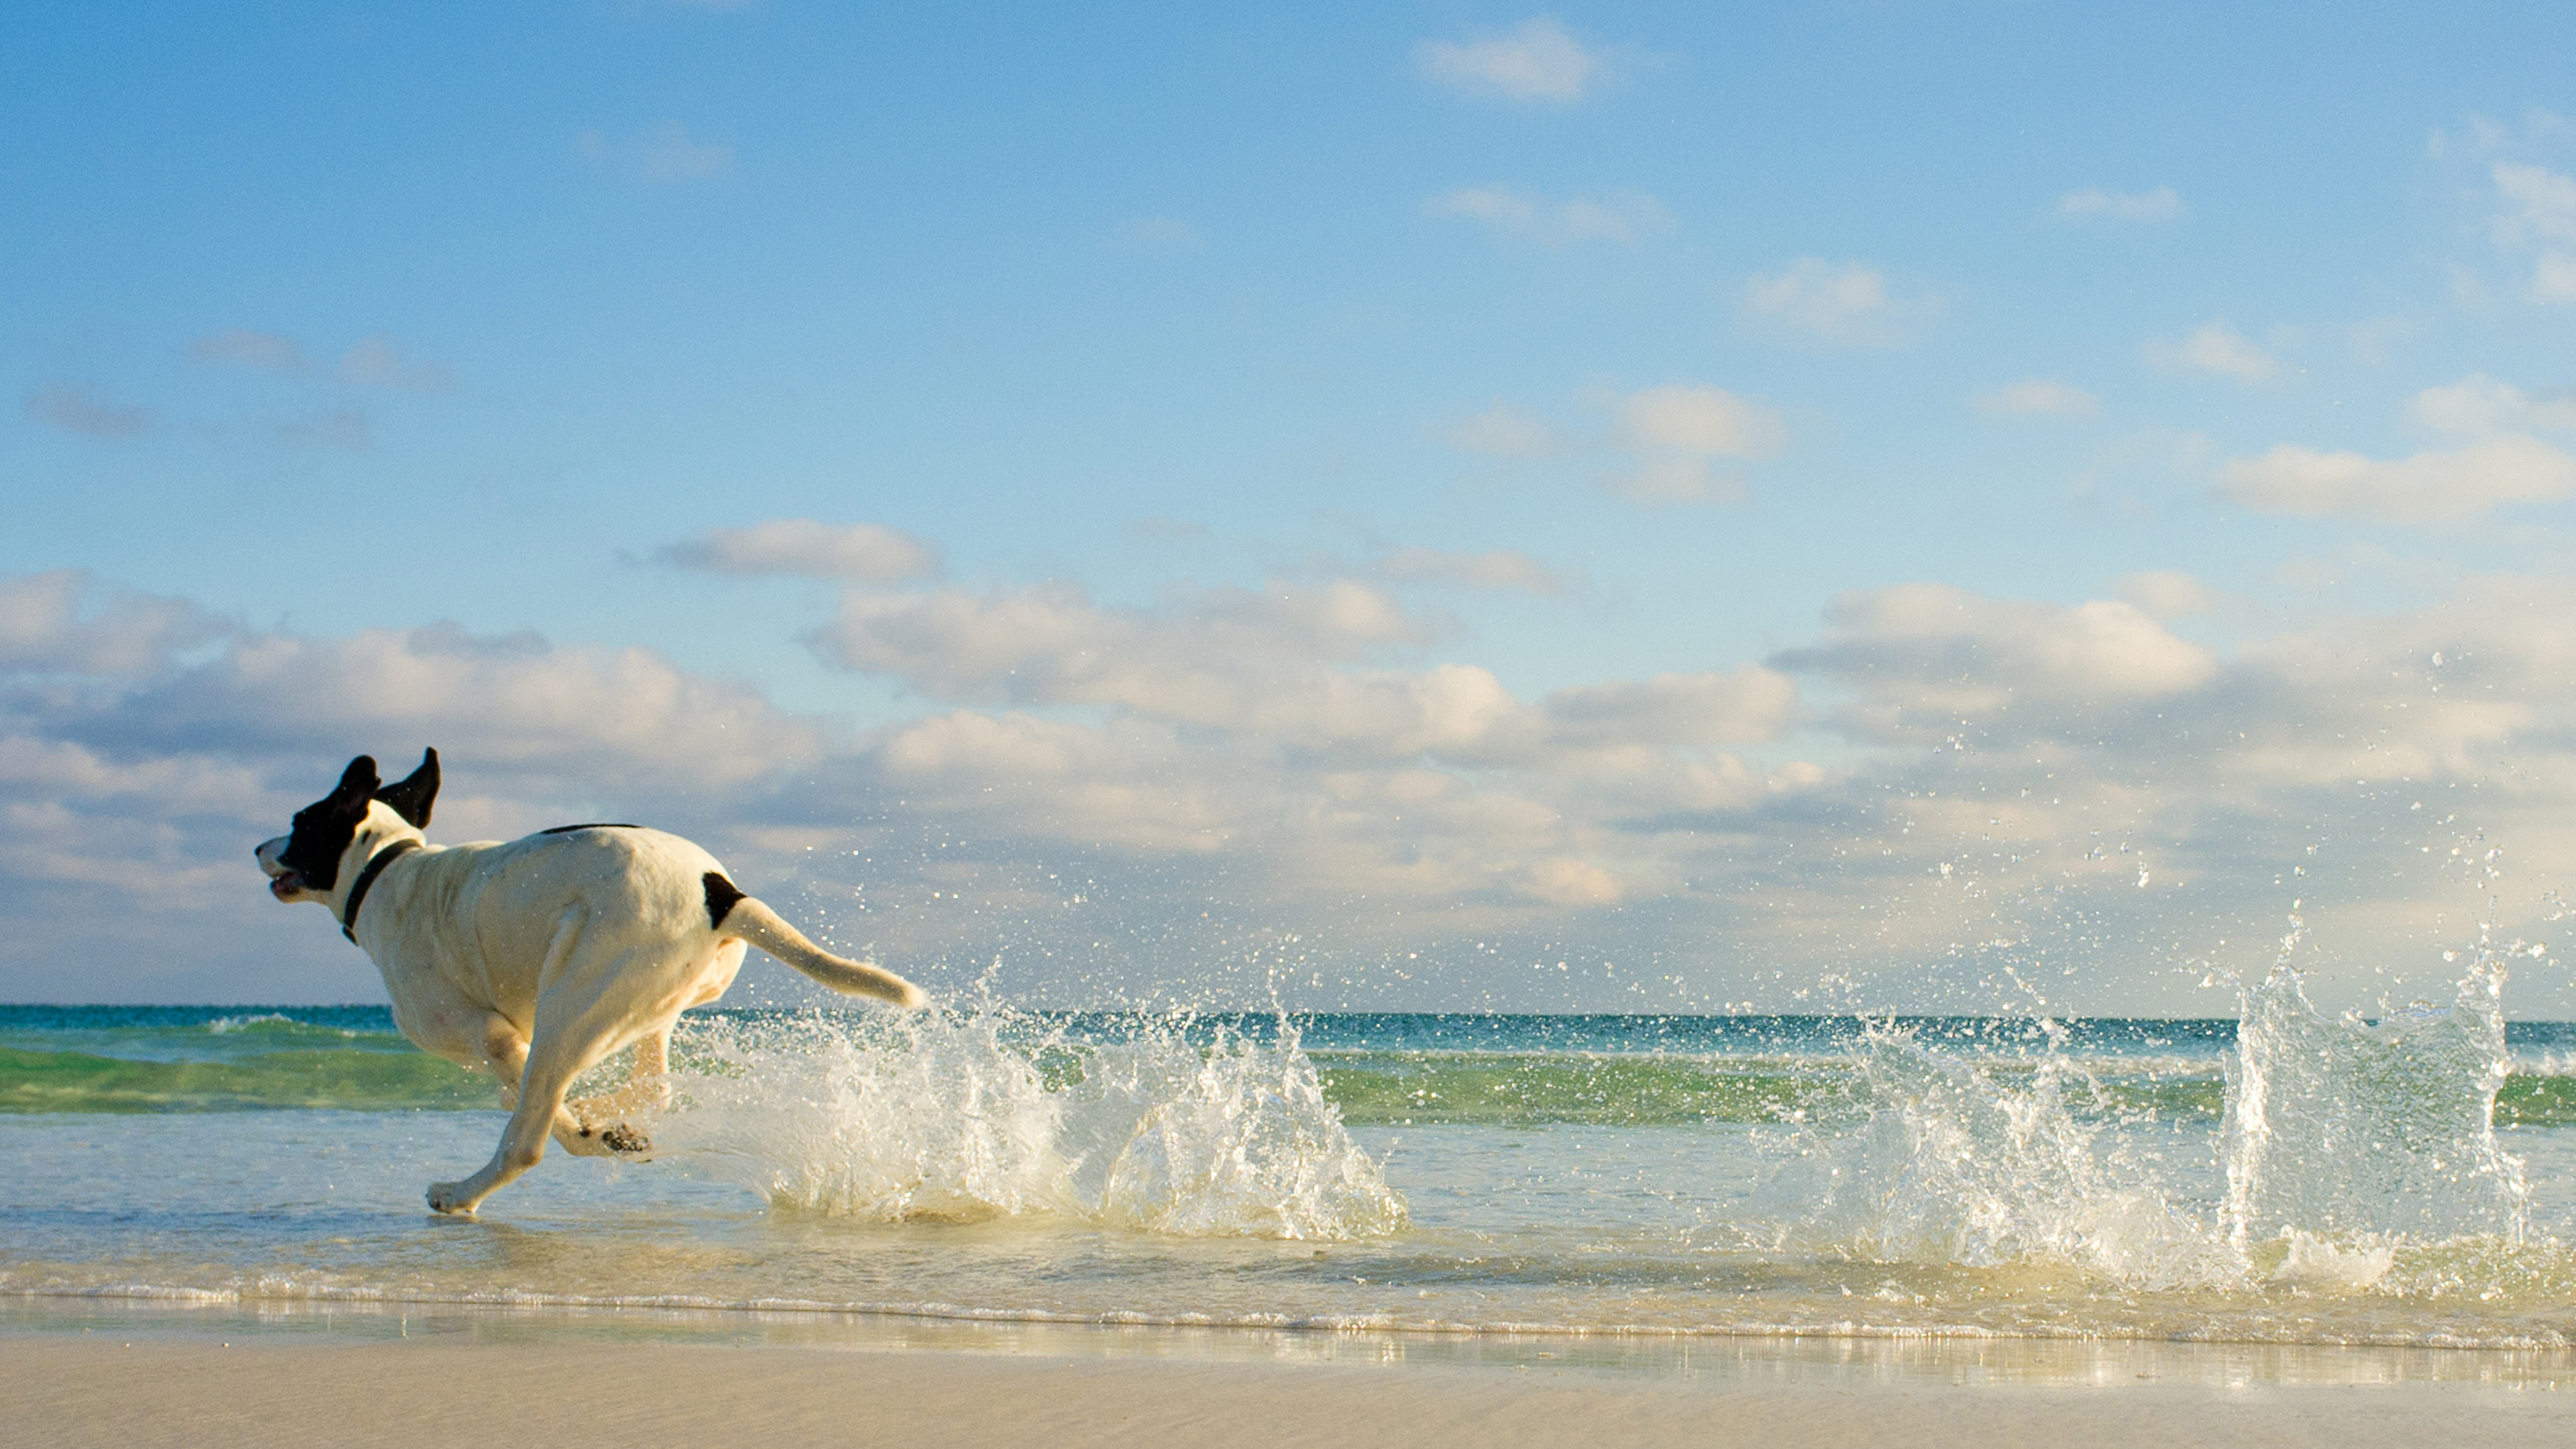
(537, 958)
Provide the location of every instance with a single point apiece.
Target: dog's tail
(736, 914)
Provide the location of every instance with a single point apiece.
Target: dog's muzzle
(284, 880)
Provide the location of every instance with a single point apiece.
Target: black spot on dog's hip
(721, 895)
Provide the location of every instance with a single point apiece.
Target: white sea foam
(2314, 1263)
(962, 1115)
(225, 1025)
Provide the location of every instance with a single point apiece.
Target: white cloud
(2481, 404)
(1744, 706)
(1677, 443)
(1501, 568)
(1304, 667)
(2040, 397)
(2537, 215)
(1619, 216)
(2216, 347)
(1566, 881)
(2553, 278)
(2092, 203)
(2167, 594)
(2335, 763)
(662, 153)
(1932, 649)
(1836, 305)
(1700, 421)
(2543, 204)
(144, 746)
(1218, 658)
(79, 408)
(514, 702)
(67, 621)
(1535, 61)
(1678, 432)
(855, 552)
(1502, 431)
(2305, 482)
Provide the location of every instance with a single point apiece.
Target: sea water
(2286, 1177)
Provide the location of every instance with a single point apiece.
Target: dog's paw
(449, 1198)
(627, 1142)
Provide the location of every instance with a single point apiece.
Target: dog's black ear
(412, 797)
(357, 786)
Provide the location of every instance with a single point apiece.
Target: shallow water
(2289, 1178)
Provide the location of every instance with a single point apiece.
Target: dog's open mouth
(284, 884)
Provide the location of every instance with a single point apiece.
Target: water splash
(1955, 1164)
(990, 1112)
(2346, 1126)
(2317, 1265)
(2357, 1155)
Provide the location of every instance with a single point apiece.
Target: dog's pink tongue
(285, 885)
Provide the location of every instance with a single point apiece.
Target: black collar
(375, 866)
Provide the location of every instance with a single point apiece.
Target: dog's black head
(305, 862)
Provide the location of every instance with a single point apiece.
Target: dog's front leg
(506, 1052)
(552, 1065)
(532, 1082)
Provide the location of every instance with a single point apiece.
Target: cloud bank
(1942, 799)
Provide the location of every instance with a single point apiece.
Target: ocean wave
(360, 1080)
(1371, 1089)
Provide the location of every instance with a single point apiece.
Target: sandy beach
(135, 1380)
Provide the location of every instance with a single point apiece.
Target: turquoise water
(2284, 1177)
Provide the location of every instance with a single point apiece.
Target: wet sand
(111, 1382)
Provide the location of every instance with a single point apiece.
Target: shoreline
(858, 1321)
(123, 1373)
(1891, 1358)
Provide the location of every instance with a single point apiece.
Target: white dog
(540, 957)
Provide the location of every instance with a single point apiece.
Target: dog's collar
(375, 866)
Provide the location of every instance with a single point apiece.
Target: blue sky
(1418, 493)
